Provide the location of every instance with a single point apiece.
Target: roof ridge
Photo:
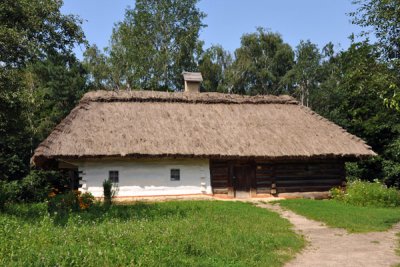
(180, 97)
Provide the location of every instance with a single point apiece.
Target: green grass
(185, 233)
(342, 215)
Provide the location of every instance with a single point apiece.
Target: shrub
(8, 192)
(86, 200)
(107, 192)
(63, 203)
(37, 185)
(362, 193)
(71, 201)
(337, 193)
(3, 195)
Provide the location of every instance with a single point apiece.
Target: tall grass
(361, 193)
(187, 233)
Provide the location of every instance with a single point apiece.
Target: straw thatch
(207, 125)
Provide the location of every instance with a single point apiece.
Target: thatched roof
(161, 124)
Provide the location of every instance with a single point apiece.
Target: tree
(101, 72)
(260, 63)
(382, 18)
(213, 65)
(53, 88)
(351, 96)
(14, 126)
(156, 42)
(305, 72)
(30, 30)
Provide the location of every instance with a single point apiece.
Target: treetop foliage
(30, 29)
(156, 42)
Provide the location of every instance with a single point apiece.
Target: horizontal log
(261, 178)
(263, 190)
(311, 172)
(305, 177)
(219, 177)
(220, 190)
(332, 182)
(306, 168)
(258, 184)
(303, 173)
(264, 168)
(264, 173)
(219, 182)
(264, 181)
(303, 189)
(219, 172)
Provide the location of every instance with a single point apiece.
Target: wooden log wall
(220, 181)
(281, 177)
(264, 178)
(308, 176)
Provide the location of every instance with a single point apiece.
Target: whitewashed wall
(147, 177)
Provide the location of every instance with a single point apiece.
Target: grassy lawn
(341, 215)
(184, 233)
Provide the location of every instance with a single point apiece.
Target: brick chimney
(192, 81)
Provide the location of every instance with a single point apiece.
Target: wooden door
(242, 181)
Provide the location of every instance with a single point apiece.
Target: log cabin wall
(269, 178)
(308, 176)
(220, 177)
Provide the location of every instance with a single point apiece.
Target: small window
(113, 176)
(175, 174)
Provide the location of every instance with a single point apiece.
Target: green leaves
(30, 29)
(381, 17)
(155, 43)
(260, 64)
(214, 66)
(40, 79)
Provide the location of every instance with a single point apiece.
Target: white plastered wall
(147, 177)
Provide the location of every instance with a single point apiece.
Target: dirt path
(336, 247)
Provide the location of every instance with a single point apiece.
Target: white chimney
(192, 81)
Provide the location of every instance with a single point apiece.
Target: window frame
(112, 177)
(175, 175)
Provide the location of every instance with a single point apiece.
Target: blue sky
(320, 21)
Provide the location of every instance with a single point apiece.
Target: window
(175, 174)
(113, 176)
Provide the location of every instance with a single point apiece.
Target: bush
(86, 200)
(337, 193)
(362, 193)
(3, 195)
(71, 201)
(37, 185)
(8, 192)
(63, 203)
(107, 192)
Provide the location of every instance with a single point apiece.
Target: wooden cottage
(186, 143)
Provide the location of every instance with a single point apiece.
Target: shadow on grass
(34, 213)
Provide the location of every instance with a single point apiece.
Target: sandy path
(336, 247)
